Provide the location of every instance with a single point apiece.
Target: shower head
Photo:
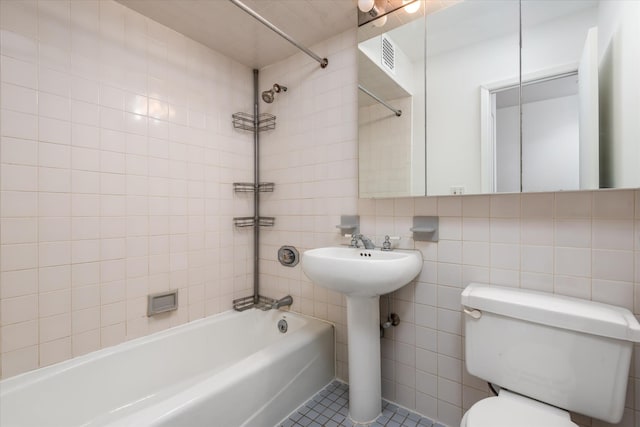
(269, 95)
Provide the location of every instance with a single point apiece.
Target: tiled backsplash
(118, 156)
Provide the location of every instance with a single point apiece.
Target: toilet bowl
(511, 410)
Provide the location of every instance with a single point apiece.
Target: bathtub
(233, 369)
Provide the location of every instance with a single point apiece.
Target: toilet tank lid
(554, 310)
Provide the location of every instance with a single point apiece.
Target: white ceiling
(224, 27)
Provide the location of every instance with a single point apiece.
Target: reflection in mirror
(599, 41)
(579, 104)
(391, 115)
(472, 50)
(559, 149)
(549, 153)
(579, 123)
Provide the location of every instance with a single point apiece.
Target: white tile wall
(117, 157)
(117, 161)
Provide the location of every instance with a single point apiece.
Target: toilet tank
(567, 352)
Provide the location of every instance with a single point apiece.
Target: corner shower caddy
(255, 123)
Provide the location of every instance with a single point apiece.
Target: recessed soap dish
(425, 228)
(349, 224)
(162, 302)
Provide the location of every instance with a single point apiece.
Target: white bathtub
(234, 369)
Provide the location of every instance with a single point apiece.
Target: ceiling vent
(388, 54)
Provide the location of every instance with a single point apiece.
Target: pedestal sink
(362, 275)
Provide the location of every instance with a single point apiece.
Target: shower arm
(323, 61)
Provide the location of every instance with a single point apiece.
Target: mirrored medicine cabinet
(494, 96)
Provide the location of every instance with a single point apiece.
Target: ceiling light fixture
(411, 6)
(366, 5)
(380, 21)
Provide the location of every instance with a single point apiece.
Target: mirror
(391, 114)
(572, 124)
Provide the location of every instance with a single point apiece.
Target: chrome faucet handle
(386, 245)
(354, 240)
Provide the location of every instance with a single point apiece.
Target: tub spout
(282, 302)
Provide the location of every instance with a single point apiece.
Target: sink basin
(361, 272)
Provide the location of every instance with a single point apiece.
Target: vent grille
(388, 54)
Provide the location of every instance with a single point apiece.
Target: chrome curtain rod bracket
(374, 96)
(323, 61)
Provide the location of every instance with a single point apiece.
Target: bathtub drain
(283, 326)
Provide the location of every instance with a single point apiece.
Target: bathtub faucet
(282, 302)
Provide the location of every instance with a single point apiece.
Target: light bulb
(380, 21)
(366, 5)
(411, 7)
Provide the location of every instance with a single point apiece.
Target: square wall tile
(538, 205)
(476, 253)
(573, 233)
(572, 262)
(19, 309)
(573, 204)
(21, 360)
(537, 259)
(18, 256)
(55, 351)
(476, 206)
(18, 283)
(613, 292)
(613, 204)
(505, 230)
(19, 72)
(450, 228)
(505, 256)
(505, 206)
(18, 230)
(426, 206)
(19, 335)
(613, 234)
(449, 206)
(537, 231)
(476, 229)
(18, 151)
(613, 265)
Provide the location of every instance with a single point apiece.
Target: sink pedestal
(365, 390)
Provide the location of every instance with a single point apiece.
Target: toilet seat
(510, 409)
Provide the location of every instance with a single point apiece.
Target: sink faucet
(368, 244)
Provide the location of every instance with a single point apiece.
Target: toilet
(549, 355)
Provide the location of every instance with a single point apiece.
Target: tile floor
(329, 408)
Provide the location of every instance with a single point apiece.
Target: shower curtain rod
(323, 61)
(374, 96)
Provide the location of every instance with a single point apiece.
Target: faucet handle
(354, 240)
(386, 245)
